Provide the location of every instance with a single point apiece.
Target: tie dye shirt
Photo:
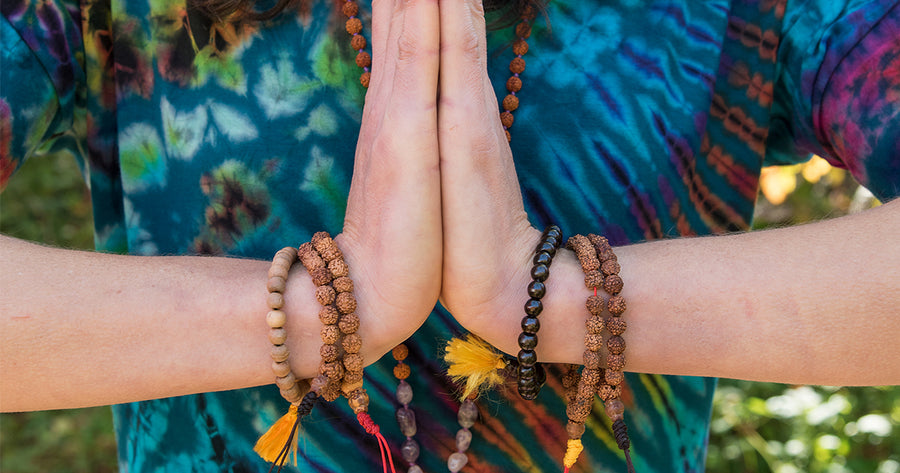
(640, 119)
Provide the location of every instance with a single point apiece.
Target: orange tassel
(474, 362)
(280, 441)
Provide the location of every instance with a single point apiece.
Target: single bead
(540, 272)
(514, 84)
(286, 381)
(607, 392)
(615, 409)
(347, 387)
(531, 324)
(616, 345)
(358, 42)
(345, 302)
(527, 341)
(537, 289)
(277, 336)
(288, 252)
(533, 307)
(508, 136)
(353, 362)
(353, 377)
(594, 324)
(510, 102)
(599, 242)
(542, 257)
(595, 304)
(527, 357)
(279, 353)
(404, 393)
(612, 284)
(401, 371)
(527, 372)
(616, 325)
(338, 267)
(579, 410)
(352, 343)
(614, 378)
(593, 279)
(279, 268)
(275, 300)
(570, 378)
(276, 318)
(574, 429)
(528, 394)
(610, 267)
(463, 439)
(520, 47)
(606, 255)
(457, 461)
(468, 413)
(350, 8)
(329, 315)
(364, 78)
(507, 119)
(276, 284)
(343, 284)
(400, 352)
(410, 451)
(318, 383)
(349, 323)
(292, 394)
(363, 59)
(517, 66)
(330, 334)
(523, 30)
(320, 276)
(554, 232)
(590, 378)
(328, 352)
(406, 418)
(547, 247)
(309, 257)
(331, 392)
(591, 359)
(358, 401)
(593, 341)
(615, 362)
(324, 294)
(616, 305)
(414, 469)
(333, 369)
(281, 368)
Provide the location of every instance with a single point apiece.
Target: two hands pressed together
(435, 213)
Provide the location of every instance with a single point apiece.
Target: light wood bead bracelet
(291, 388)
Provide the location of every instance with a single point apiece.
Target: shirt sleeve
(39, 81)
(837, 90)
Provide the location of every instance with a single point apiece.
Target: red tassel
(372, 428)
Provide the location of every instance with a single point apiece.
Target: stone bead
(537, 289)
(352, 343)
(615, 362)
(281, 368)
(531, 324)
(329, 315)
(358, 401)
(514, 84)
(363, 59)
(527, 357)
(277, 336)
(507, 119)
(610, 267)
(401, 371)
(309, 257)
(616, 345)
(510, 102)
(318, 383)
(410, 451)
(285, 382)
(593, 279)
(364, 79)
(330, 334)
(540, 272)
(614, 378)
(338, 267)
(279, 353)
(520, 47)
(325, 294)
(345, 302)
(353, 25)
(353, 362)
(414, 469)
(523, 30)
(468, 413)
(275, 300)
(463, 439)
(320, 276)
(400, 352)
(613, 284)
(533, 307)
(616, 305)
(594, 324)
(342, 284)
(592, 360)
(595, 304)
(542, 257)
(456, 461)
(607, 392)
(406, 419)
(404, 393)
(528, 341)
(276, 318)
(328, 353)
(615, 409)
(350, 8)
(593, 341)
(575, 429)
(616, 325)
(276, 284)
(358, 42)
(349, 323)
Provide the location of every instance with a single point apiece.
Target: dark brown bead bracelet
(531, 375)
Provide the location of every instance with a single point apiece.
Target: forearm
(813, 304)
(81, 328)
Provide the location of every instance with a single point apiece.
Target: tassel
(279, 441)
(573, 449)
(474, 361)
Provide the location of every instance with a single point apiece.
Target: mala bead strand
(357, 41)
(514, 84)
(467, 415)
(406, 417)
(327, 383)
(531, 376)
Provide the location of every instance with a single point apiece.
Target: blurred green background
(757, 427)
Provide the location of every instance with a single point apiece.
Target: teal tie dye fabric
(640, 119)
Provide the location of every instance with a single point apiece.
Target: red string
(372, 428)
(595, 290)
(566, 470)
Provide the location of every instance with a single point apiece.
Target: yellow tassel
(271, 445)
(573, 449)
(474, 361)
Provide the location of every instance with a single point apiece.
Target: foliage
(757, 427)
